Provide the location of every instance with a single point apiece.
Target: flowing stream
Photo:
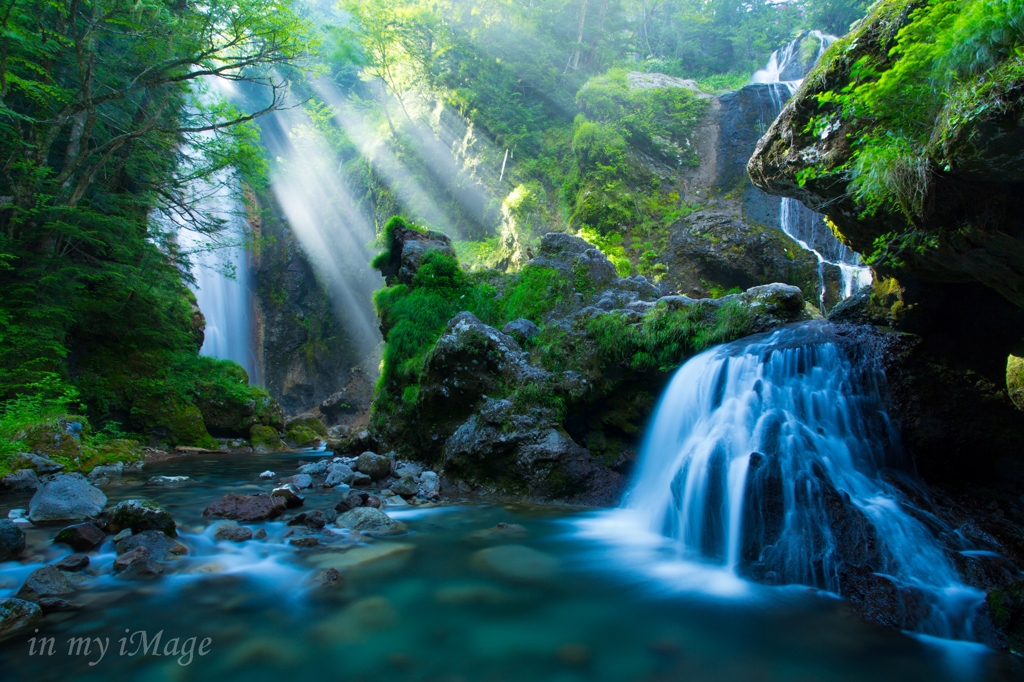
(783, 74)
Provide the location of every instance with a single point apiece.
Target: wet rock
(18, 616)
(21, 481)
(140, 515)
(126, 533)
(368, 519)
(68, 497)
(72, 563)
(521, 330)
(289, 494)
(406, 487)
(141, 569)
(260, 534)
(516, 562)
(12, 540)
(45, 582)
(124, 560)
(502, 532)
(266, 475)
(430, 484)
(373, 465)
(377, 559)
(305, 541)
(360, 480)
(168, 480)
(106, 472)
(315, 468)
(356, 500)
(56, 605)
(339, 474)
(315, 520)
(229, 530)
(157, 545)
(331, 578)
(39, 464)
(246, 508)
(299, 481)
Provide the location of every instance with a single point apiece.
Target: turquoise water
(434, 604)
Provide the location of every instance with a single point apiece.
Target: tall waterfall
(783, 74)
(767, 458)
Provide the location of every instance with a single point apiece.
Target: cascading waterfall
(766, 459)
(783, 74)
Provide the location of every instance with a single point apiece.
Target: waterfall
(768, 457)
(783, 74)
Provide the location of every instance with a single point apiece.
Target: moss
(298, 435)
(308, 423)
(1015, 380)
(110, 452)
(265, 439)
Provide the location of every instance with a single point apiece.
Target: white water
(806, 227)
(765, 457)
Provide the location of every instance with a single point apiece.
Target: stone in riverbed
(290, 494)
(140, 515)
(304, 541)
(268, 474)
(45, 582)
(230, 530)
(18, 615)
(56, 604)
(126, 533)
(72, 563)
(339, 474)
(168, 480)
(141, 569)
(503, 532)
(406, 487)
(68, 497)
(300, 481)
(21, 481)
(516, 562)
(246, 508)
(356, 500)
(12, 540)
(359, 480)
(82, 537)
(40, 464)
(315, 468)
(126, 559)
(369, 520)
(373, 465)
(159, 546)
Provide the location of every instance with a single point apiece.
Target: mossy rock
(307, 422)
(140, 515)
(59, 440)
(187, 427)
(110, 452)
(300, 436)
(266, 439)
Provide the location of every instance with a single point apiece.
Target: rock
(361, 480)
(68, 497)
(266, 475)
(315, 520)
(304, 431)
(266, 439)
(305, 541)
(407, 248)
(168, 480)
(45, 582)
(126, 533)
(377, 559)
(72, 563)
(331, 578)
(516, 562)
(260, 534)
(406, 487)
(246, 508)
(315, 468)
(39, 464)
(289, 495)
(158, 546)
(21, 481)
(18, 616)
(503, 532)
(56, 605)
(369, 520)
(141, 569)
(522, 330)
(12, 540)
(299, 481)
(430, 483)
(229, 530)
(338, 474)
(125, 560)
(373, 465)
(140, 515)
(106, 471)
(81, 537)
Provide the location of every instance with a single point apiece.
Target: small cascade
(783, 74)
(766, 458)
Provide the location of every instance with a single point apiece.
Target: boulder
(338, 474)
(406, 250)
(44, 465)
(304, 430)
(72, 563)
(289, 495)
(267, 475)
(522, 330)
(140, 515)
(304, 541)
(68, 497)
(246, 508)
(126, 559)
(360, 480)
(141, 569)
(12, 540)
(229, 530)
(266, 439)
(368, 519)
(157, 545)
(82, 537)
(357, 500)
(517, 563)
(56, 605)
(18, 616)
(21, 481)
(373, 465)
(406, 486)
(45, 582)
(299, 481)
(314, 468)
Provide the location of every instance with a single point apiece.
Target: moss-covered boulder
(303, 430)
(266, 439)
(140, 515)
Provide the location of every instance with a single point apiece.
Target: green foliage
(43, 403)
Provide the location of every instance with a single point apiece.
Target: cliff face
(305, 353)
(949, 226)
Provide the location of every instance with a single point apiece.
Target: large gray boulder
(373, 465)
(21, 481)
(12, 540)
(45, 582)
(339, 474)
(68, 497)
